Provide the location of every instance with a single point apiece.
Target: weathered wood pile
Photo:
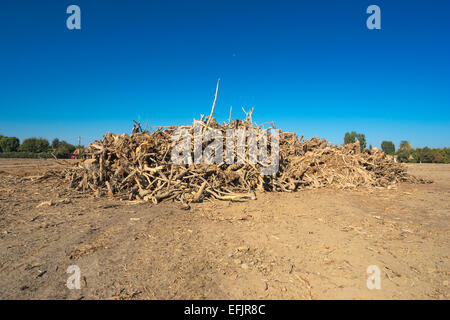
(139, 167)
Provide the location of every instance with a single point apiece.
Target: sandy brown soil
(314, 244)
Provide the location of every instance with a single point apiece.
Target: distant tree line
(10, 147)
(405, 152)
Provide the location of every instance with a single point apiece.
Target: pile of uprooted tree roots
(140, 166)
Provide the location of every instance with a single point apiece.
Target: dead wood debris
(139, 167)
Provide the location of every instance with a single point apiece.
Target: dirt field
(314, 244)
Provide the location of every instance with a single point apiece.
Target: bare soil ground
(314, 244)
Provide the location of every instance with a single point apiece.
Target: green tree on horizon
(9, 144)
(34, 145)
(405, 145)
(353, 136)
(424, 155)
(62, 149)
(404, 151)
(388, 147)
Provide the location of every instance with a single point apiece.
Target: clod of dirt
(53, 203)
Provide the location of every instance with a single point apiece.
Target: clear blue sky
(311, 66)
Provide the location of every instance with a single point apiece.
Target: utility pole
(79, 140)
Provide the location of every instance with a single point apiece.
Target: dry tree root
(139, 167)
